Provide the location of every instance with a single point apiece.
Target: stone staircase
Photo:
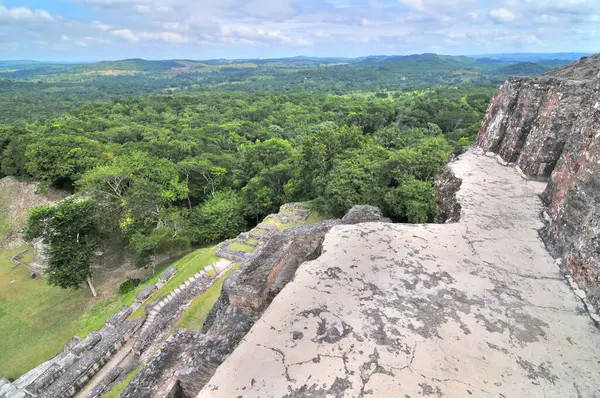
(155, 309)
(165, 312)
(289, 214)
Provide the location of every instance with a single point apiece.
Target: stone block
(167, 274)
(145, 293)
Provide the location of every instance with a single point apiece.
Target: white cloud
(142, 9)
(125, 34)
(473, 15)
(130, 36)
(102, 26)
(502, 15)
(23, 14)
(176, 26)
(414, 4)
(173, 37)
(266, 28)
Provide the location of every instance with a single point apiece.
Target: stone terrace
(289, 214)
(475, 308)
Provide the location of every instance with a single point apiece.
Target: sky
(92, 30)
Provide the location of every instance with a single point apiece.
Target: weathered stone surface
(101, 387)
(224, 251)
(169, 313)
(87, 343)
(187, 360)
(167, 274)
(548, 127)
(119, 317)
(473, 308)
(364, 213)
(145, 293)
(448, 208)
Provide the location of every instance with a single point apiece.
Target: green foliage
(167, 171)
(70, 229)
(218, 218)
(63, 158)
(413, 201)
(129, 285)
(358, 176)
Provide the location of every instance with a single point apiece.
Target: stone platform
(476, 308)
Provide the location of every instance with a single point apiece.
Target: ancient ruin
(473, 308)
(498, 299)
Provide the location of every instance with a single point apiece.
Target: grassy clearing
(240, 247)
(36, 319)
(187, 267)
(4, 225)
(193, 318)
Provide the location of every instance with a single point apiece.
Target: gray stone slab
(475, 308)
(145, 293)
(167, 274)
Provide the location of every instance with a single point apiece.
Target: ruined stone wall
(187, 360)
(548, 126)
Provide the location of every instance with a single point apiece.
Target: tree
(257, 200)
(70, 229)
(413, 201)
(63, 158)
(358, 176)
(202, 178)
(220, 217)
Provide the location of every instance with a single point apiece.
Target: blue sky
(86, 30)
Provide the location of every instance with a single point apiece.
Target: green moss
(240, 247)
(193, 318)
(259, 231)
(252, 241)
(187, 267)
(114, 393)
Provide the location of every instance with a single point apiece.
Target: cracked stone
(475, 308)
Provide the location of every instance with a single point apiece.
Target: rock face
(448, 208)
(363, 213)
(476, 308)
(550, 128)
(187, 361)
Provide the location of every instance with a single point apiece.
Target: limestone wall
(548, 127)
(188, 360)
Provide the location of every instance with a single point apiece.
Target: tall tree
(70, 230)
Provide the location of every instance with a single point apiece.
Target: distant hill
(532, 57)
(522, 69)
(136, 64)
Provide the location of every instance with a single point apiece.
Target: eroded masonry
(474, 308)
(499, 299)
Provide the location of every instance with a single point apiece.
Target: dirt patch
(16, 199)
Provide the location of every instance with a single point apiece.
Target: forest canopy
(165, 172)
